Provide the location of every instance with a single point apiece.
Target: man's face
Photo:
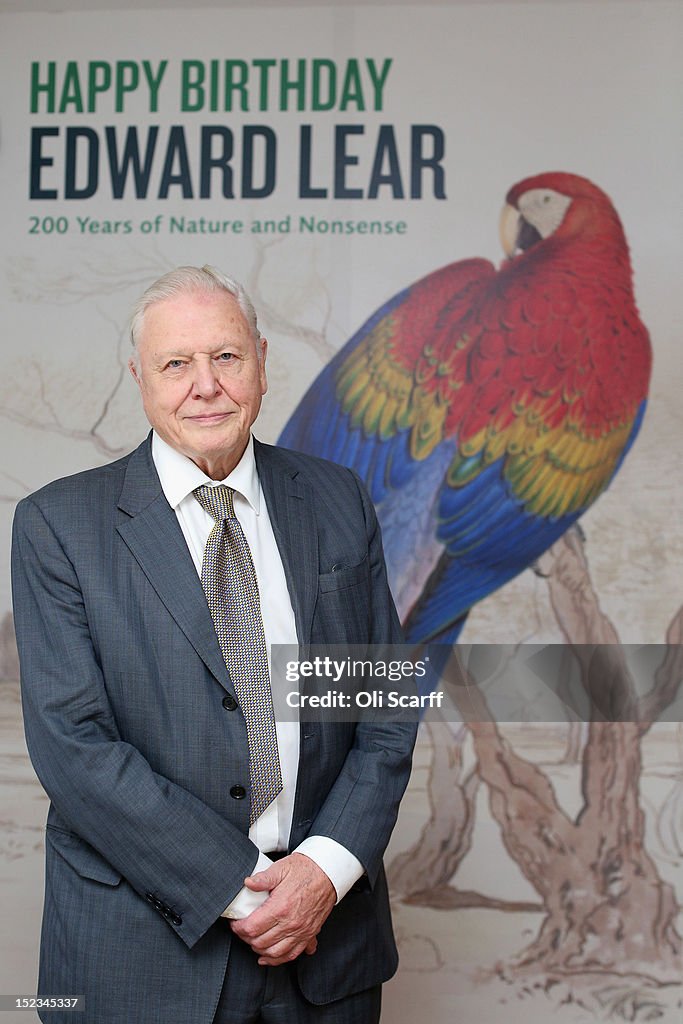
(202, 377)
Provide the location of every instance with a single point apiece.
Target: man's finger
(264, 881)
(251, 932)
(261, 941)
(280, 953)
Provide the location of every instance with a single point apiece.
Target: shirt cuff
(247, 901)
(340, 866)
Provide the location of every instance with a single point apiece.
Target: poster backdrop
(328, 158)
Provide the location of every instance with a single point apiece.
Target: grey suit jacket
(123, 685)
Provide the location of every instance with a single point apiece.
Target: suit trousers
(253, 994)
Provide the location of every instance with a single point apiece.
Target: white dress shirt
(179, 477)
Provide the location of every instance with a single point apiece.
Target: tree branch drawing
(316, 339)
(95, 280)
(50, 422)
(606, 908)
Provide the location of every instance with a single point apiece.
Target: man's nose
(205, 380)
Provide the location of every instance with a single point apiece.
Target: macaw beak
(508, 228)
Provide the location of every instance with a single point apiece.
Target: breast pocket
(343, 577)
(342, 611)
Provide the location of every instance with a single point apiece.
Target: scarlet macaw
(487, 409)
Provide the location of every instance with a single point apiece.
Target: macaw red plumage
(504, 399)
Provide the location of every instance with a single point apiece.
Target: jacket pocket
(346, 576)
(85, 860)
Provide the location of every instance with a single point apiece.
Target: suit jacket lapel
(154, 537)
(291, 513)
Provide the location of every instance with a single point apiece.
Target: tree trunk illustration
(607, 909)
(447, 836)
(423, 873)
(575, 740)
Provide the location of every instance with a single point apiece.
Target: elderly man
(204, 862)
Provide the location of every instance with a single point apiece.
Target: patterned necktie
(231, 589)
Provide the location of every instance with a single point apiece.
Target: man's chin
(218, 458)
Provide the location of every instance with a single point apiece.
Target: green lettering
(236, 74)
(154, 81)
(99, 80)
(264, 67)
(71, 89)
(125, 82)
(379, 80)
(352, 89)
(47, 87)
(296, 84)
(317, 102)
(191, 79)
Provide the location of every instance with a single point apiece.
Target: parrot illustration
(486, 409)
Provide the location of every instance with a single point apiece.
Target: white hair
(183, 281)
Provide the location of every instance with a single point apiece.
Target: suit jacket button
(176, 920)
(238, 792)
(229, 703)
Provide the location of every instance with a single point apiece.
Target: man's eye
(173, 364)
(225, 357)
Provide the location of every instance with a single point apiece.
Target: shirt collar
(179, 475)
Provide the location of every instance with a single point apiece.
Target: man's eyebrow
(179, 351)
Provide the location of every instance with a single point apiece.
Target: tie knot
(217, 501)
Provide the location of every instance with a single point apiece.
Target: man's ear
(135, 372)
(263, 349)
